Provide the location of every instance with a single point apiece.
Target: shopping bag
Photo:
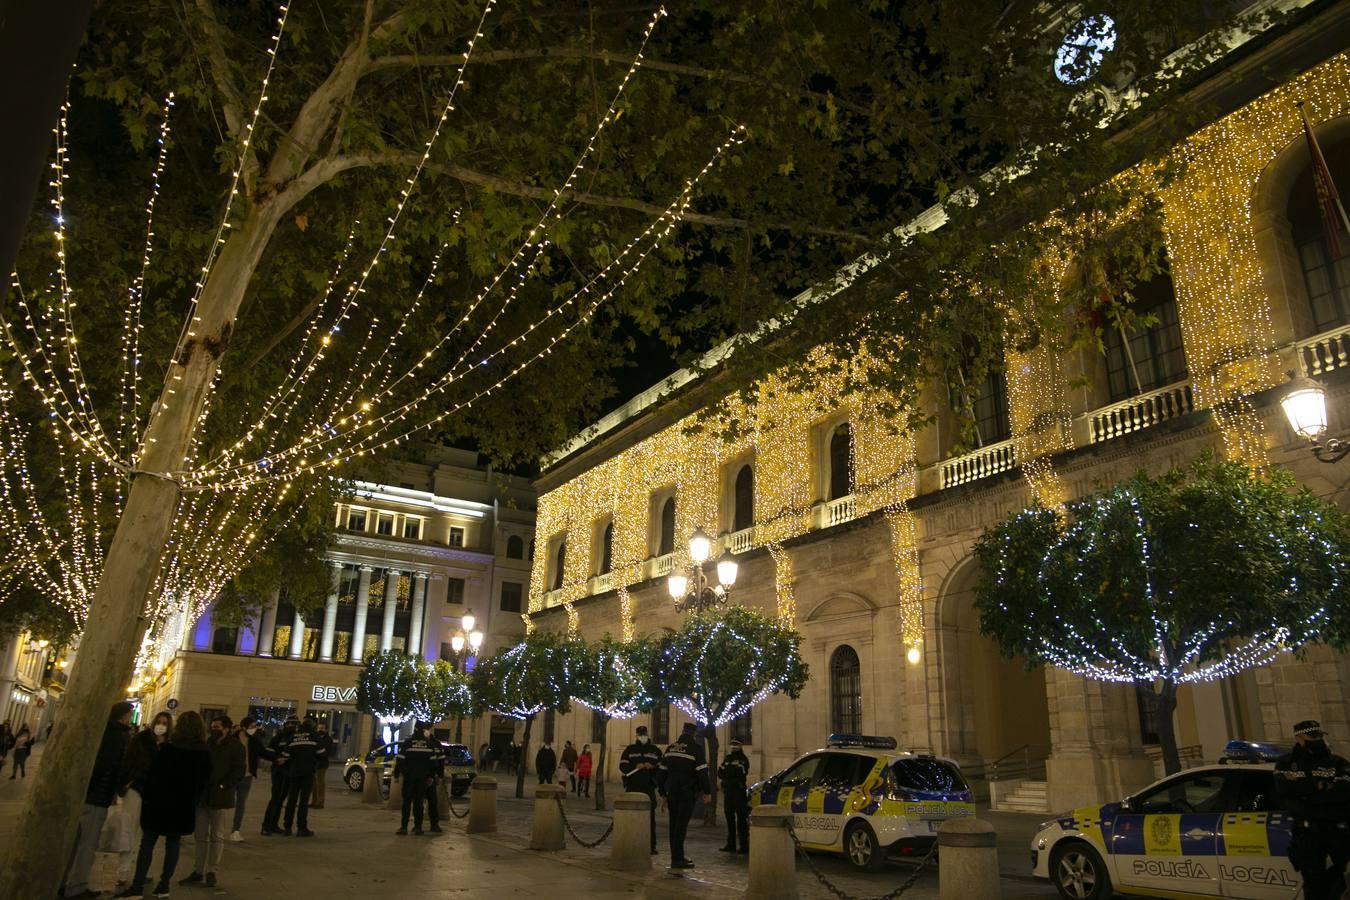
(113, 837)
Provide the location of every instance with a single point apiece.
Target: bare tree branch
(222, 73)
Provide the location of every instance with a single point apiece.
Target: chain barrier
(450, 802)
(844, 895)
(562, 810)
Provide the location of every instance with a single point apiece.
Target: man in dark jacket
(321, 767)
(229, 761)
(1314, 784)
(733, 774)
(257, 751)
(276, 754)
(638, 765)
(419, 760)
(569, 763)
(104, 784)
(684, 770)
(302, 759)
(546, 763)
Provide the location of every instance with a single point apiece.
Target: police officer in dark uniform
(1314, 784)
(733, 775)
(303, 750)
(684, 769)
(639, 766)
(276, 754)
(419, 758)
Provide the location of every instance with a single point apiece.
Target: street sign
(172, 704)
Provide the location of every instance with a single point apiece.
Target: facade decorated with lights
(862, 538)
(434, 563)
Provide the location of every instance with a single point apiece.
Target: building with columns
(863, 538)
(432, 541)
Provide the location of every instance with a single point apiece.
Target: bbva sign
(327, 693)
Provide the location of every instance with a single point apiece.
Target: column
(9, 669)
(419, 600)
(330, 616)
(391, 577)
(297, 647)
(267, 630)
(362, 608)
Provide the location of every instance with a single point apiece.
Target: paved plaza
(356, 853)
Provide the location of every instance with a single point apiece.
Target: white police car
(861, 797)
(1211, 831)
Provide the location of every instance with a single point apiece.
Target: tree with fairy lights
(443, 693)
(1196, 575)
(390, 688)
(719, 664)
(615, 679)
(526, 679)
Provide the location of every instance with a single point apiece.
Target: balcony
(662, 566)
(1323, 352)
(602, 583)
(1139, 412)
(741, 541)
(837, 512)
(553, 598)
(981, 463)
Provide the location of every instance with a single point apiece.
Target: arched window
(1327, 280)
(515, 547)
(845, 691)
(559, 563)
(1142, 359)
(841, 462)
(666, 544)
(744, 500)
(607, 549)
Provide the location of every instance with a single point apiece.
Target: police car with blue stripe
(1211, 831)
(861, 797)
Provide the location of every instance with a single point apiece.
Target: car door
(1254, 842)
(1167, 838)
(827, 802)
(791, 791)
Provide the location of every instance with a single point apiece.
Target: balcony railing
(979, 464)
(1140, 412)
(602, 582)
(663, 565)
(741, 541)
(1323, 352)
(837, 512)
(553, 598)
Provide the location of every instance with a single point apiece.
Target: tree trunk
(524, 755)
(598, 773)
(36, 863)
(1167, 734)
(710, 814)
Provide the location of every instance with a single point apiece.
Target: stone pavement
(356, 853)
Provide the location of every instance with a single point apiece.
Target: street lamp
(1305, 406)
(694, 591)
(473, 638)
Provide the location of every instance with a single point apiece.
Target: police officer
(303, 751)
(1314, 784)
(684, 771)
(276, 754)
(419, 758)
(638, 765)
(733, 774)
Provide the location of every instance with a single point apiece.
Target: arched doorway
(992, 706)
(845, 691)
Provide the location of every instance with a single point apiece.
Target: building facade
(32, 680)
(863, 538)
(445, 538)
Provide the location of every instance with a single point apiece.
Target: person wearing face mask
(546, 763)
(638, 765)
(303, 752)
(276, 753)
(1314, 784)
(321, 766)
(140, 753)
(229, 761)
(253, 744)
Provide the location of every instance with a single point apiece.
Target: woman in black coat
(175, 780)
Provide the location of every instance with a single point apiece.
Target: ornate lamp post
(1305, 406)
(473, 638)
(694, 592)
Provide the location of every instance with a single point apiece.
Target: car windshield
(934, 775)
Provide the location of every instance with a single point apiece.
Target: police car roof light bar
(871, 741)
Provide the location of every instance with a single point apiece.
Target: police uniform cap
(1309, 727)
(642, 729)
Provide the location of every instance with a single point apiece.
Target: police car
(459, 767)
(861, 797)
(1211, 831)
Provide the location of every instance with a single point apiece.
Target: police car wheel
(356, 779)
(1078, 872)
(862, 848)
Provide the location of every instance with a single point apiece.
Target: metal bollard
(371, 790)
(395, 794)
(482, 805)
(547, 830)
(773, 857)
(630, 846)
(967, 860)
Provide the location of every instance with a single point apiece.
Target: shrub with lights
(388, 688)
(613, 678)
(442, 693)
(719, 664)
(1196, 575)
(526, 679)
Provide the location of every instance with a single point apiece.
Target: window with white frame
(456, 536)
(356, 519)
(384, 524)
(412, 528)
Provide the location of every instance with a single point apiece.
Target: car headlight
(1040, 844)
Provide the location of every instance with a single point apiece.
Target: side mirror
(1127, 805)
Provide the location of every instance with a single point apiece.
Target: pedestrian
(276, 754)
(253, 744)
(514, 762)
(6, 740)
(229, 762)
(321, 765)
(733, 774)
(569, 765)
(419, 759)
(545, 763)
(23, 745)
(483, 757)
(1314, 784)
(584, 764)
(684, 776)
(104, 783)
(178, 774)
(639, 766)
(303, 752)
(141, 752)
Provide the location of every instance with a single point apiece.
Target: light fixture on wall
(1305, 406)
(695, 592)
